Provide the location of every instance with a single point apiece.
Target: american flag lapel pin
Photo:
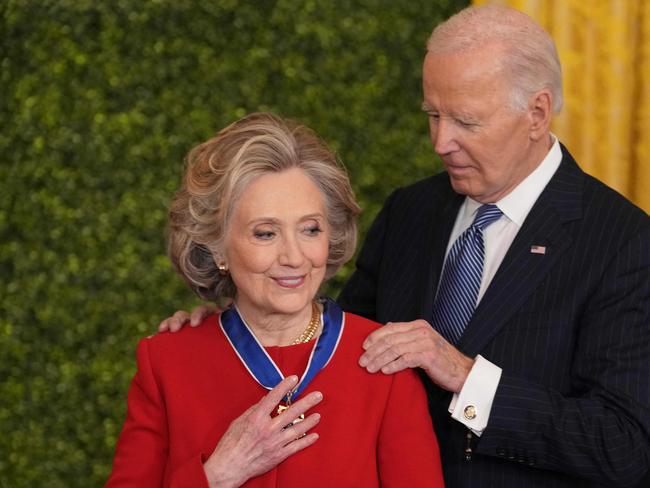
(535, 249)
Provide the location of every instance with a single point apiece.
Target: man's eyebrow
(426, 107)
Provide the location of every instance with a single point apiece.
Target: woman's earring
(223, 268)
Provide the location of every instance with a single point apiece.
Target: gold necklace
(308, 334)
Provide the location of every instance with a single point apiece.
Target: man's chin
(460, 185)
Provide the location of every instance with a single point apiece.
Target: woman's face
(277, 244)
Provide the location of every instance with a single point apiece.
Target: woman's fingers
(270, 401)
(258, 439)
(299, 408)
(298, 429)
(298, 445)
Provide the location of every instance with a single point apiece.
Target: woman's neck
(275, 329)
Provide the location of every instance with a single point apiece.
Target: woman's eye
(263, 234)
(313, 230)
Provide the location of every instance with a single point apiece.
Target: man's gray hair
(531, 61)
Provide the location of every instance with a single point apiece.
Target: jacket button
(469, 412)
(501, 452)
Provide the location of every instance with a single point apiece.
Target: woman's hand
(255, 442)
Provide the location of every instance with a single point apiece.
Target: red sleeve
(142, 449)
(408, 454)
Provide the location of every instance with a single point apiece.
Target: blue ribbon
(260, 365)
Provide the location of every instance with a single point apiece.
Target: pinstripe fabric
(570, 328)
(461, 277)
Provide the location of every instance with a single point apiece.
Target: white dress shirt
(473, 404)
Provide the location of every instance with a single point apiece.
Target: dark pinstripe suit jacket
(570, 328)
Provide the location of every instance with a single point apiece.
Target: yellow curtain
(604, 47)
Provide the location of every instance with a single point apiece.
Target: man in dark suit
(548, 382)
(532, 329)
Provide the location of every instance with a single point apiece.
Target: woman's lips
(290, 281)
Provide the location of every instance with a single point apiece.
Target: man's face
(484, 144)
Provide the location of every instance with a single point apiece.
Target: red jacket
(375, 430)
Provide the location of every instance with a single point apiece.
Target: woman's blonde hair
(216, 175)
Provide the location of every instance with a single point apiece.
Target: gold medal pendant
(282, 408)
(306, 336)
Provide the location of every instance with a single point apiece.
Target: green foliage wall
(99, 102)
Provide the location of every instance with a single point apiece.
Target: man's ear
(540, 110)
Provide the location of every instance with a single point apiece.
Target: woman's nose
(290, 253)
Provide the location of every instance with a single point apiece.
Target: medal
(260, 365)
(282, 408)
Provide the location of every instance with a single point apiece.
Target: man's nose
(443, 137)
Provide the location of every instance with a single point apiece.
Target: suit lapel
(442, 219)
(522, 270)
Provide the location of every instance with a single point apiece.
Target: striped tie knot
(485, 215)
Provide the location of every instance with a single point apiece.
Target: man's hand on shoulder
(181, 318)
(401, 345)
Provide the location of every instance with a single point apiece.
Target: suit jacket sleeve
(601, 430)
(141, 453)
(359, 295)
(407, 450)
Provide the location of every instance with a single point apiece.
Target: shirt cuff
(473, 404)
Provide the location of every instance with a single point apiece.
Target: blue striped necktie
(461, 277)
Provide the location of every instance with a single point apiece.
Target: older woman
(263, 216)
